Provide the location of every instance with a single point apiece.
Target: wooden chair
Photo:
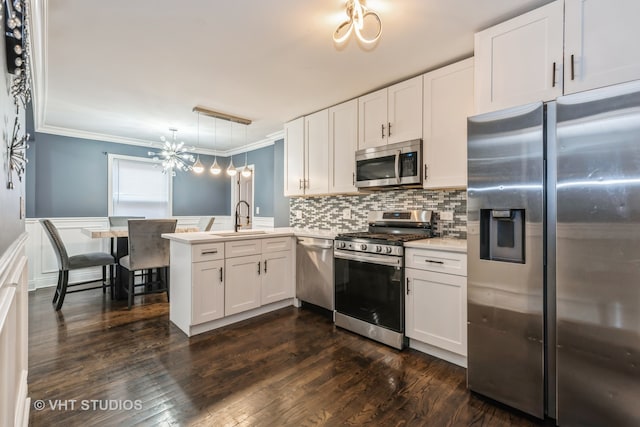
(67, 263)
(206, 222)
(148, 251)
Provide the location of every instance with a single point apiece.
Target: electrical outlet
(346, 213)
(257, 210)
(446, 216)
(298, 214)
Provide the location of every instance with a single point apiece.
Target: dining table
(119, 236)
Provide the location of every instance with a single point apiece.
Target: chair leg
(130, 293)
(166, 280)
(112, 284)
(63, 289)
(56, 294)
(104, 279)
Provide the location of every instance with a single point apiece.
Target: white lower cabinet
(436, 303)
(208, 291)
(259, 279)
(212, 283)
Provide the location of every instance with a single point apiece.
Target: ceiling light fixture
(198, 167)
(215, 168)
(231, 170)
(246, 171)
(357, 12)
(173, 155)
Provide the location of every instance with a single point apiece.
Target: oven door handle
(391, 261)
(397, 165)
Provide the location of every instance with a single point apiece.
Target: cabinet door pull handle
(407, 286)
(300, 184)
(265, 266)
(258, 268)
(382, 131)
(553, 75)
(354, 178)
(221, 277)
(389, 129)
(214, 251)
(573, 68)
(433, 262)
(425, 171)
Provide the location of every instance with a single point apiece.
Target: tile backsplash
(349, 213)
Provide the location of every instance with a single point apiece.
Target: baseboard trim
(440, 353)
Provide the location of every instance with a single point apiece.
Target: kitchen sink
(239, 233)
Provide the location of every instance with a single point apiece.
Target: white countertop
(440, 244)
(227, 235)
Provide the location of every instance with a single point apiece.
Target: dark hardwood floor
(287, 368)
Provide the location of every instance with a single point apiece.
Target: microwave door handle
(398, 166)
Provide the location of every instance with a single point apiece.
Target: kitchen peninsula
(219, 278)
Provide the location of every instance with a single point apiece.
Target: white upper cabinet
(317, 153)
(343, 143)
(294, 157)
(520, 60)
(564, 47)
(372, 111)
(448, 101)
(389, 115)
(601, 39)
(404, 111)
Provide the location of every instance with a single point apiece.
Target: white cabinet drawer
(207, 252)
(438, 261)
(242, 248)
(276, 244)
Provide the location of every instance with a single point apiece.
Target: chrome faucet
(237, 223)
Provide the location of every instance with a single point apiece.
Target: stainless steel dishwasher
(314, 272)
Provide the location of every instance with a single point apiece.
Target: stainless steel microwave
(391, 165)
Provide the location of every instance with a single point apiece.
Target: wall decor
(16, 154)
(17, 50)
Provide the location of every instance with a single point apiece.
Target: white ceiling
(128, 70)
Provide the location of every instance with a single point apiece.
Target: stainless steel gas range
(369, 274)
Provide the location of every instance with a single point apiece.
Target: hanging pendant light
(246, 172)
(198, 167)
(215, 168)
(231, 170)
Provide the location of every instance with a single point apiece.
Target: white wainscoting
(43, 266)
(14, 403)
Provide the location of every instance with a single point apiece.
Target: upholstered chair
(67, 263)
(148, 251)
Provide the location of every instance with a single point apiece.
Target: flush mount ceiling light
(357, 12)
(173, 155)
(198, 167)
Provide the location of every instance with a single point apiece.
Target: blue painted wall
(67, 177)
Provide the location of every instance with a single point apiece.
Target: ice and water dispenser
(502, 235)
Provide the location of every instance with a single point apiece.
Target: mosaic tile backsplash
(328, 212)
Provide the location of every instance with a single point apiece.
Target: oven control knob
(363, 247)
(341, 245)
(378, 248)
(387, 250)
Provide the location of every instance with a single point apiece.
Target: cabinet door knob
(258, 268)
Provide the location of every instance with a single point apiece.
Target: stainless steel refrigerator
(554, 257)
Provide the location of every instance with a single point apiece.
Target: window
(137, 187)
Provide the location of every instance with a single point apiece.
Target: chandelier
(357, 12)
(173, 155)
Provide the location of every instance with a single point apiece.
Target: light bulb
(198, 167)
(246, 172)
(231, 170)
(215, 167)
